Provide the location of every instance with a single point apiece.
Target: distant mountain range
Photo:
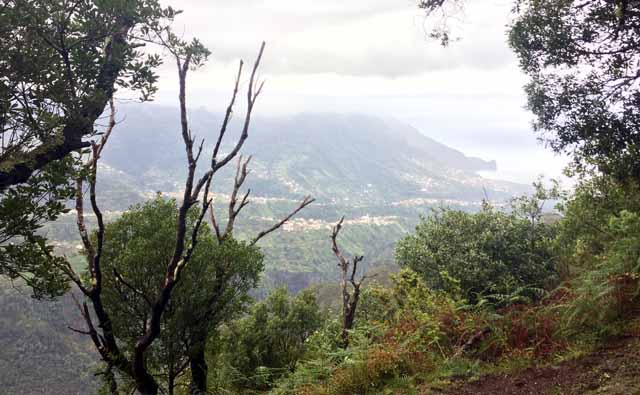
(336, 158)
(380, 173)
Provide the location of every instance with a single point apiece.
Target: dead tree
(349, 298)
(132, 362)
(198, 365)
(196, 191)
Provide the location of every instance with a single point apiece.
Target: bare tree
(349, 298)
(215, 304)
(234, 208)
(196, 191)
(131, 363)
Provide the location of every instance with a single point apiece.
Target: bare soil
(612, 370)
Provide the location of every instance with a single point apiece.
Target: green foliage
(60, 64)
(600, 242)
(582, 233)
(24, 253)
(582, 60)
(398, 334)
(271, 339)
(213, 287)
(610, 289)
(484, 254)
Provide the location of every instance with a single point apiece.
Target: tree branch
(305, 202)
(80, 123)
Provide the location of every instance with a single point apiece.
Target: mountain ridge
(354, 158)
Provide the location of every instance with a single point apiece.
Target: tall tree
(132, 363)
(60, 63)
(583, 59)
(131, 358)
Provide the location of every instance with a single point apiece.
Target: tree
(583, 61)
(348, 269)
(60, 63)
(267, 343)
(482, 254)
(131, 359)
(24, 253)
(214, 287)
(132, 364)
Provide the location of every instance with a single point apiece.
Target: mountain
(336, 158)
(380, 173)
(39, 354)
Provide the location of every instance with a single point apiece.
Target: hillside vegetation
(145, 250)
(380, 174)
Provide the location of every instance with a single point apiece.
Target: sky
(373, 57)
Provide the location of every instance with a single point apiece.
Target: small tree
(351, 297)
(213, 289)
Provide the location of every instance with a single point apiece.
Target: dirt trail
(612, 370)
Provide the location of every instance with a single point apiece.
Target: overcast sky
(373, 57)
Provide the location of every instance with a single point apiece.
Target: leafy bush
(611, 287)
(485, 253)
(599, 246)
(268, 342)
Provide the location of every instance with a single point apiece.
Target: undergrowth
(422, 337)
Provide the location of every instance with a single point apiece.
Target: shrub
(484, 253)
(610, 288)
(599, 248)
(269, 341)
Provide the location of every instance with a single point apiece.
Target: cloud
(385, 38)
(371, 57)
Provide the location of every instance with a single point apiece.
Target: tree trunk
(199, 369)
(349, 315)
(171, 382)
(147, 387)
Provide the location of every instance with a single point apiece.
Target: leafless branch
(251, 100)
(334, 244)
(349, 298)
(192, 191)
(106, 342)
(121, 279)
(227, 116)
(79, 331)
(305, 202)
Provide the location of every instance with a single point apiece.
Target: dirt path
(613, 370)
